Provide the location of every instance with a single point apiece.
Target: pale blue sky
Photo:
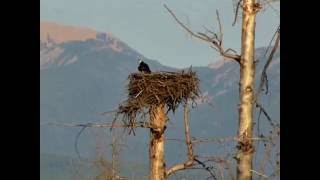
(146, 26)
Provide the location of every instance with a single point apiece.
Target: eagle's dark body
(143, 67)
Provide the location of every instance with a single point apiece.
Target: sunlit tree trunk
(157, 139)
(247, 76)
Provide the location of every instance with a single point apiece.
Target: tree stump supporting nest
(156, 147)
(159, 92)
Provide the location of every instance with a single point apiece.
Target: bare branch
(215, 48)
(264, 81)
(211, 32)
(260, 174)
(179, 167)
(275, 47)
(266, 115)
(220, 29)
(223, 53)
(215, 41)
(193, 160)
(216, 159)
(177, 140)
(266, 156)
(76, 141)
(109, 112)
(264, 77)
(227, 139)
(274, 35)
(187, 132)
(258, 131)
(220, 161)
(268, 2)
(221, 171)
(259, 121)
(205, 167)
(218, 140)
(190, 161)
(236, 13)
(274, 173)
(185, 27)
(106, 125)
(229, 49)
(228, 167)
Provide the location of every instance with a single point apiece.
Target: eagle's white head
(140, 60)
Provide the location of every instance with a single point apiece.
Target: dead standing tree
(247, 76)
(157, 92)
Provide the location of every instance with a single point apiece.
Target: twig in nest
(138, 93)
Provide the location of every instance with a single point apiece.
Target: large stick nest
(158, 88)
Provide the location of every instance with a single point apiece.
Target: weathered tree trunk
(247, 76)
(157, 139)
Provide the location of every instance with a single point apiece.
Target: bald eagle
(143, 67)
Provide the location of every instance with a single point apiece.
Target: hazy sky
(146, 26)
